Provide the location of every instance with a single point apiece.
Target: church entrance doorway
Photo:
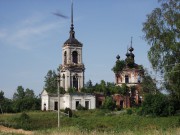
(87, 104)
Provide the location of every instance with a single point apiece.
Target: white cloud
(32, 20)
(22, 34)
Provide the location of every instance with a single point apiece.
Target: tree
(25, 100)
(173, 82)
(100, 87)
(1, 96)
(148, 84)
(162, 32)
(1, 100)
(51, 82)
(120, 64)
(157, 105)
(88, 84)
(109, 104)
(5, 103)
(103, 87)
(88, 87)
(117, 90)
(110, 88)
(7, 106)
(29, 93)
(20, 93)
(125, 89)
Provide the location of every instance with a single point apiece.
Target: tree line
(23, 100)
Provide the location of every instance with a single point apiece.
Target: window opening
(75, 57)
(75, 82)
(65, 57)
(126, 79)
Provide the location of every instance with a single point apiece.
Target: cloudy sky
(31, 38)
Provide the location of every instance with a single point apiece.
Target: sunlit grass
(75, 131)
(95, 122)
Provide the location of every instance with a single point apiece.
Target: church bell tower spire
(72, 32)
(72, 68)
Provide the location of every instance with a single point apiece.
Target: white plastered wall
(68, 101)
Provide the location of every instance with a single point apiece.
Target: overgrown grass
(100, 121)
(75, 131)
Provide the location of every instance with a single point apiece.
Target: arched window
(126, 79)
(65, 57)
(75, 57)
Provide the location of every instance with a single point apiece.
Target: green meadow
(92, 122)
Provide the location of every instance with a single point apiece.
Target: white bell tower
(72, 68)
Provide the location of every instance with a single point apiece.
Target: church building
(129, 73)
(72, 68)
(71, 73)
(71, 76)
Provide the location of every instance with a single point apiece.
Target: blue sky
(31, 38)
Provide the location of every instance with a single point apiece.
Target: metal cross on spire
(131, 48)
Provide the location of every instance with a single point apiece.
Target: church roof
(127, 54)
(72, 41)
(131, 54)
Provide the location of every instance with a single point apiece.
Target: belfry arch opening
(65, 57)
(75, 57)
(75, 82)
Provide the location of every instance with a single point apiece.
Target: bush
(23, 121)
(80, 107)
(72, 90)
(109, 104)
(129, 111)
(139, 111)
(68, 111)
(24, 118)
(157, 105)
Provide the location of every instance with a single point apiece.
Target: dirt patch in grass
(15, 131)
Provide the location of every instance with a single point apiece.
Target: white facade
(49, 102)
(129, 76)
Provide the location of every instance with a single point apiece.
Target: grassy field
(93, 122)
